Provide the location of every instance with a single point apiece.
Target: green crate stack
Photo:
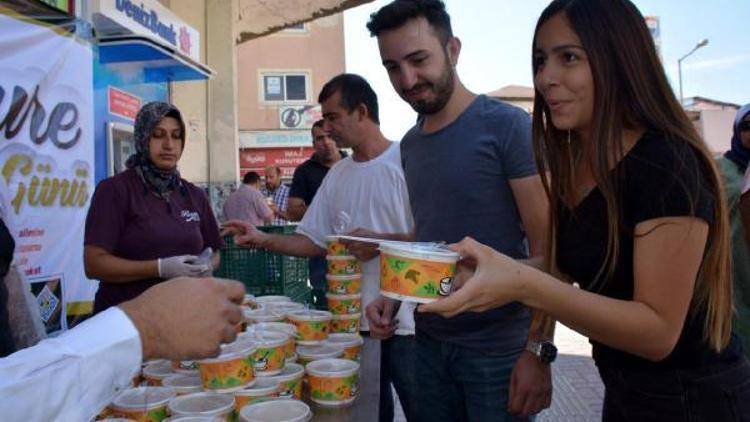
(264, 272)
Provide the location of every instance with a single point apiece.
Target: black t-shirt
(308, 177)
(657, 178)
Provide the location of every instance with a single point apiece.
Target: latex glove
(206, 258)
(182, 265)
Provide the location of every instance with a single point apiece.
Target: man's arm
(295, 209)
(247, 235)
(79, 372)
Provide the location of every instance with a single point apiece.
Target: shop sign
(150, 18)
(300, 117)
(123, 104)
(257, 159)
(275, 138)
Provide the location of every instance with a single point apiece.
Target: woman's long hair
(630, 91)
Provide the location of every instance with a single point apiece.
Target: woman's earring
(568, 138)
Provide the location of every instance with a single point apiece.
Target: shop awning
(160, 62)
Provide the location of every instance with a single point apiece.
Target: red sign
(122, 103)
(257, 159)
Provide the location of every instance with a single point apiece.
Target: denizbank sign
(152, 19)
(147, 18)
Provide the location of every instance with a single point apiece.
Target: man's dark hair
(397, 13)
(354, 91)
(251, 178)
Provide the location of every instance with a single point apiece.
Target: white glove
(206, 258)
(182, 265)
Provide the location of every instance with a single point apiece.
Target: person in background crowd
(639, 220)
(73, 376)
(247, 203)
(147, 224)
(279, 192)
(733, 166)
(305, 183)
(745, 207)
(366, 195)
(475, 367)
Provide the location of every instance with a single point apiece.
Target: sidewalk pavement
(577, 390)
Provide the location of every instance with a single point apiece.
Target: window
(295, 28)
(285, 87)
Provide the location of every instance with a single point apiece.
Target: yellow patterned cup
(312, 326)
(270, 351)
(211, 405)
(343, 265)
(142, 404)
(290, 381)
(336, 247)
(350, 343)
(344, 284)
(326, 350)
(284, 327)
(155, 372)
(416, 273)
(344, 304)
(263, 389)
(232, 370)
(348, 323)
(333, 382)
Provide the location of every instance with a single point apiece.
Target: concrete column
(221, 113)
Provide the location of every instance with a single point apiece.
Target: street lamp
(701, 43)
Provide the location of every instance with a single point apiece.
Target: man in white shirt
(72, 377)
(364, 194)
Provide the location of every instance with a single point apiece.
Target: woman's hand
(496, 282)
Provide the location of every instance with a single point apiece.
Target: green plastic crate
(264, 272)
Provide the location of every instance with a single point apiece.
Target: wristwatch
(545, 350)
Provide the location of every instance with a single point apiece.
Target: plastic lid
(332, 367)
(202, 404)
(262, 314)
(320, 351)
(270, 298)
(143, 398)
(281, 410)
(158, 369)
(291, 371)
(261, 387)
(341, 257)
(266, 338)
(427, 252)
(181, 382)
(309, 315)
(240, 347)
(348, 316)
(344, 277)
(284, 327)
(345, 339)
(343, 297)
(190, 419)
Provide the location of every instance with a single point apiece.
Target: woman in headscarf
(733, 167)
(147, 224)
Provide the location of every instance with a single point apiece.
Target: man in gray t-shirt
(470, 171)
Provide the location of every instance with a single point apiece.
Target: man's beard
(443, 89)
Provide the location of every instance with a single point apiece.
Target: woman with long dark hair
(147, 224)
(638, 220)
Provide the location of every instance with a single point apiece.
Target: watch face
(548, 352)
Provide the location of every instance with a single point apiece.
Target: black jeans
(720, 393)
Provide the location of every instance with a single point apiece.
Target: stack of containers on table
(264, 272)
(260, 375)
(344, 294)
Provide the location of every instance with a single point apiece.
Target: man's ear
(362, 111)
(453, 49)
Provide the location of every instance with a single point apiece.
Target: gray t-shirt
(458, 186)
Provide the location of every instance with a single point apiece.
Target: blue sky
(496, 38)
